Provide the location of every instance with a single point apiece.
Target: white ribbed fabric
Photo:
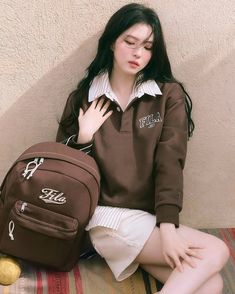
(101, 86)
(106, 216)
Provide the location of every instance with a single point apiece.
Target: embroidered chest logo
(52, 196)
(150, 120)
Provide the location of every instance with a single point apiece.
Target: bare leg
(215, 254)
(212, 285)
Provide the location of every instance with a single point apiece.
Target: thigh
(152, 250)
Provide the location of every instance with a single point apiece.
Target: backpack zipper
(29, 171)
(23, 205)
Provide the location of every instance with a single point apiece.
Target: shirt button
(118, 109)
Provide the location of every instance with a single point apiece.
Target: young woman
(134, 118)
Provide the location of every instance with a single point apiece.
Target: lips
(134, 63)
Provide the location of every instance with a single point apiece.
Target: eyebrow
(137, 39)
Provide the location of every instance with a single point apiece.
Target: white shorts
(121, 247)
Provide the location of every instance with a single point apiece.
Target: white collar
(101, 86)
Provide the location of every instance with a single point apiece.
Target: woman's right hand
(90, 121)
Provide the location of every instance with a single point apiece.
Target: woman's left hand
(176, 249)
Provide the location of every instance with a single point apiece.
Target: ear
(112, 47)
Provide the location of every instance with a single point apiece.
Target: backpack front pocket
(38, 235)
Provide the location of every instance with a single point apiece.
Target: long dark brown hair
(158, 68)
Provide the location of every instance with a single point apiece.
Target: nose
(137, 52)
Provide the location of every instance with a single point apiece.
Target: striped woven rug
(93, 276)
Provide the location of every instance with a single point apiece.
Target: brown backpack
(47, 199)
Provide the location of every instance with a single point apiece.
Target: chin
(132, 71)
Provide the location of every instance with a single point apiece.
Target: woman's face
(133, 49)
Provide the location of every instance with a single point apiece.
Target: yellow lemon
(9, 271)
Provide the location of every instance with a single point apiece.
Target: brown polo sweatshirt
(141, 153)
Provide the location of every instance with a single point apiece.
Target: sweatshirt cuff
(72, 142)
(167, 214)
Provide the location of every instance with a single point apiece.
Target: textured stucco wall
(46, 45)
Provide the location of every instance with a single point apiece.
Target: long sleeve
(170, 159)
(71, 128)
(68, 134)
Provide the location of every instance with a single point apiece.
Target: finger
(193, 245)
(105, 106)
(107, 115)
(94, 103)
(100, 104)
(189, 260)
(168, 260)
(193, 253)
(178, 264)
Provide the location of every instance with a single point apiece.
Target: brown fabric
(141, 153)
(47, 199)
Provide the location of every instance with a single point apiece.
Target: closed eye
(148, 48)
(129, 43)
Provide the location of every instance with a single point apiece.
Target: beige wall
(46, 45)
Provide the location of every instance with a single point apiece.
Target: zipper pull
(11, 227)
(24, 204)
(34, 165)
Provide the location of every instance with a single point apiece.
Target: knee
(219, 254)
(223, 252)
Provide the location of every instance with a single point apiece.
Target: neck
(122, 84)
